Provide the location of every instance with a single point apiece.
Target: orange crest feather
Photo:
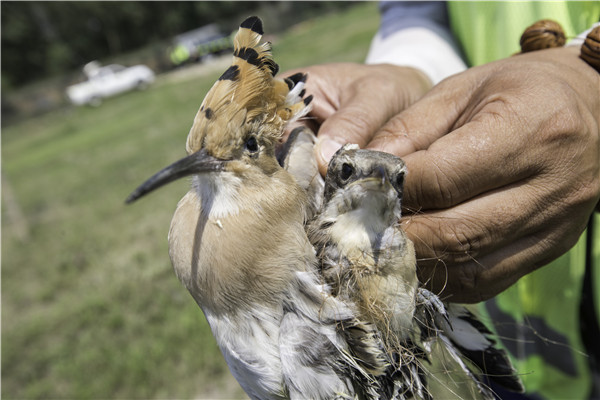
(248, 93)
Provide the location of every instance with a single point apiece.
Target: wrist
(418, 82)
(414, 82)
(568, 64)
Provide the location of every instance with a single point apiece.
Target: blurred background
(90, 305)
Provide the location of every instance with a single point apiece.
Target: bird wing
(325, 351)
(475, 341)
(297, 156)
(468, 341)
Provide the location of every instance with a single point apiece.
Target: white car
(108, 81)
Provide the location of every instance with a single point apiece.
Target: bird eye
(346, 172)
(400, 180)
(252, 144)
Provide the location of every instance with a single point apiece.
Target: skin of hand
(503, 168)
(347, 105)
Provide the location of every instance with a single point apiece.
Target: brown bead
(544, 34)
(590, 49)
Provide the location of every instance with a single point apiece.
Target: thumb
(366, 102)
(355, 122)
(365, 107)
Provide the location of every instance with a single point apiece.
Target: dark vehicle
(199, 44)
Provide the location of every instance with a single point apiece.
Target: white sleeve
(420, 48)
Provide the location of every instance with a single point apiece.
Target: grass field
(90, 305)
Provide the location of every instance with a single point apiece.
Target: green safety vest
(541, 312)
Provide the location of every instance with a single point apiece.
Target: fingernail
(328, 147)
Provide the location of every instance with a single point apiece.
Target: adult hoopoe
(238, 243)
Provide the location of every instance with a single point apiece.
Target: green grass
(90, 305)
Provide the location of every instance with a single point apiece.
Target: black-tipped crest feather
(254, 24)
(232, 73)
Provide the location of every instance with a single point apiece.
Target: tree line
(44, 39)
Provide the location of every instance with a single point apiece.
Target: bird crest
(247, 98)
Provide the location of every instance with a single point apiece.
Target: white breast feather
(356, 229)
(218, 193)
(249, 346)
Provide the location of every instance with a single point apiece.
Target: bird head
(365, 180)
(241, 119)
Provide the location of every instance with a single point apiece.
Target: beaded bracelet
(590, 49)
(545, 34)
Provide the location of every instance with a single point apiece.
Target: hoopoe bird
(367, 260)
(238, 242)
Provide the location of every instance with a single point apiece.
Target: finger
(417, 127)
(366, 104)
(486, 276)
(468, 239)
(484, 224)
(323, 105)
(324, 90)
(484, 154)
(355, 122)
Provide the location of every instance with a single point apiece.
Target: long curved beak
(195, 163)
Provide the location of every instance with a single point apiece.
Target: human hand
(352, 101)
(503, 169)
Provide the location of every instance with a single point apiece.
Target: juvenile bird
(238, 242)
(368, 260)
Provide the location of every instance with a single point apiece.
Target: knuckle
(397, 126)
(454, 241)
(355, 124)
(394, 133)
(588, 193)
(569, 125)
(468, 280)
(366, 84)
(463, 240)
(566, 125)
(437, 187)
